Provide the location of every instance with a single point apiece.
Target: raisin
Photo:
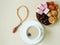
(43, 18)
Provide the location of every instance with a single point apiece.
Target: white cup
(24, 28)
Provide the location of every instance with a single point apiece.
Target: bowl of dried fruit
(47, 13)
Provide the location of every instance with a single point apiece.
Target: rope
(21, 21)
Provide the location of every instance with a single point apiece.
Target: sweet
(43, 18)
(44, 4)
(51, 7)
(41, 7)
(54, 12)
(39, 11)
(56, 6)
(46, 10)
(51, 3)
(48, 13)
(52, 20)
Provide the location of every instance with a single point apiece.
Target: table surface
(9, 19)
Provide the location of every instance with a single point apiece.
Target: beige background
(9, 19)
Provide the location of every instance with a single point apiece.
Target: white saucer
(23, 30)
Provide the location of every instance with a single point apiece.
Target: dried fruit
(49, 14)
(56, 6)
(50, 17)
(51, 3)
(54, 13)
(43, 18)
(52, 20)
(51, 7)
